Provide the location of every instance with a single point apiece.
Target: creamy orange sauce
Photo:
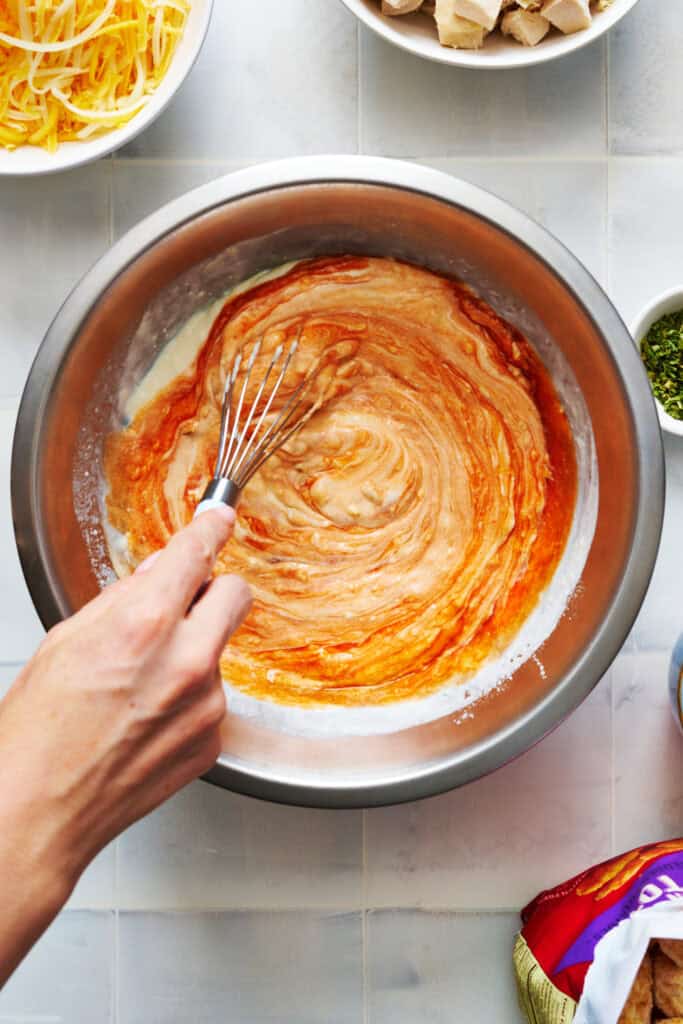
(402, 537)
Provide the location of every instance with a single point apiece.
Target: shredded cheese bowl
(81, 79)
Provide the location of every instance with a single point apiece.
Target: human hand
(120, 707)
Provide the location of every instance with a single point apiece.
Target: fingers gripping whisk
(253, 428)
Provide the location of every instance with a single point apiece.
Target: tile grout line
(179, 161)
(110, 195)
(364, 858)
(607, 160)
(364, 913)
(323, 909)
(613, 761)
(608, 285)
(608, 80)
(608, 226)
(359, 91)
(115, 1001)
(553, 157)
(117, 869)
(364, 967)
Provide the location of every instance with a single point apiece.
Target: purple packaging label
(661, 882)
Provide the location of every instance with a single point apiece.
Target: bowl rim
(455, 769)
(479, 59)
(668, 301)
(71, 155)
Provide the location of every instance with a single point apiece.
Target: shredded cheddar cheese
(70, 69)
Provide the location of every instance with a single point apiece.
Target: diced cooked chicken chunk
(457, 31)
(567, 15)
(400, 6)
(482, 12)
(526, 27)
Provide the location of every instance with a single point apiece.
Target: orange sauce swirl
(401, 538)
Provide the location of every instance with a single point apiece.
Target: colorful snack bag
(607, 946)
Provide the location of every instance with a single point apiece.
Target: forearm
(37, 866)
(33, 883)
(28, 909)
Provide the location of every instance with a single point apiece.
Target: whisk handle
(219, 492)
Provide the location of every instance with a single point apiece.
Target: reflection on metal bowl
(119, 317)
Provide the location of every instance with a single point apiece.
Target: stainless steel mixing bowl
(119, 316)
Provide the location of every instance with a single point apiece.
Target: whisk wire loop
(282, 428)
(246, 438)
(226, 410)
(235, 434)
(234, 468)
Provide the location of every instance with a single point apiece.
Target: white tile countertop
(221, 909)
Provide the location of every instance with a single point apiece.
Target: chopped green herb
(662, 352)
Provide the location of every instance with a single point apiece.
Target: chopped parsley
(662, 353)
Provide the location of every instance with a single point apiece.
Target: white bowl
(32, 160)
(667, 302)
(417, 33)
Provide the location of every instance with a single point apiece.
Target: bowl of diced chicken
(490, 33)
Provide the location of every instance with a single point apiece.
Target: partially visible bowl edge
(670, 301)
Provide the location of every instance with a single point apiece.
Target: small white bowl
(32, 160)
(417, 33)
(668, 302)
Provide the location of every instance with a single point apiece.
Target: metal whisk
(247, 438)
